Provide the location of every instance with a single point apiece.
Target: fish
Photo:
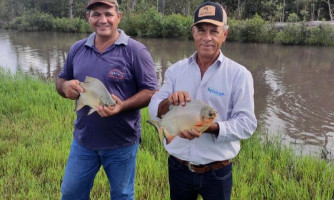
(95, 94)
(194, 115)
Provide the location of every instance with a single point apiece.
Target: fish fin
(169, 137)
(157, 127)
(89, 79)
(79, 104)
(91, 111)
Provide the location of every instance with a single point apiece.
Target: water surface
(294, 95)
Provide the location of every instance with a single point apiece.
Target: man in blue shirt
(199, 164)
(110, 136)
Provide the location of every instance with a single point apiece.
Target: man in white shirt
(199, 163)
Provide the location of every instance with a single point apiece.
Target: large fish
(194, 115)
(96, 94)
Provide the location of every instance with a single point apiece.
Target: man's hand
(105, 111)
(176, 98)
(189, 134)
(69, 89)
(193, 133)
(179, 98)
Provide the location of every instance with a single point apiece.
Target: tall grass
(36, 131)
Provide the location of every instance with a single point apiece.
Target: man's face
(104, 20)
(208, 39)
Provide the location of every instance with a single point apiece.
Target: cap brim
(103, 2)
(210, 21)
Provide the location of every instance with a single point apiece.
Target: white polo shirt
(228, 87)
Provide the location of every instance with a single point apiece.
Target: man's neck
(102, 43)
(204, 62)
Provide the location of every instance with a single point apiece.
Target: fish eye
(211, 115)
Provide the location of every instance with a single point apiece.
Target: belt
(203, 168)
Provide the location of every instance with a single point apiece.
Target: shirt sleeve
(67, 71)
(145, 71)
(162, 94)
(242, 121)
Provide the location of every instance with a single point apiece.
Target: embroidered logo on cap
(207, 11)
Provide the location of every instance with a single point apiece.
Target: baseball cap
(210, 12)
(107, 2)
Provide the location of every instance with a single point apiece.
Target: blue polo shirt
(125, 68)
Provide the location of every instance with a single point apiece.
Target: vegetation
(148, 19)
(154, 25)
(36, 131)
(37, 21)
(269, 10)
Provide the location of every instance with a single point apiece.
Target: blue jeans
(187, 185)
(83, 164)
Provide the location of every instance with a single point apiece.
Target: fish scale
(194, 115)
(95, 95)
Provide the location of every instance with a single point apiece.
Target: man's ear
(193, 31)
(226, 33)
(119, 16)
(87, 16)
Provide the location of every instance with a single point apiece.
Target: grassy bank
(36, 131)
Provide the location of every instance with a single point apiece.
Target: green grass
(36, 131)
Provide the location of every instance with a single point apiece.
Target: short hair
(225, 27)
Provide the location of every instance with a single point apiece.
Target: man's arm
(176, 98)
(68, 88)
(140, 100)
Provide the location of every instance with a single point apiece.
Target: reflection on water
(294, 93)
(295, 83)
(34, 52)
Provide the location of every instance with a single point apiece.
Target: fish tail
(157, 127)
(91, 111)
(79, 104)
(169, 137)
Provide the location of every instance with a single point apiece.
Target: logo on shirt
(116, 74)
(216, 92)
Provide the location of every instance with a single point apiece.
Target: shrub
(234, 30)
(33, 21)
(177, 26)
(320, 35)
(293, 17)
(252, 29)
(71, 25)
(291, 34)
(128, 24)
(249, 30)
(144, 24)
(269, 33)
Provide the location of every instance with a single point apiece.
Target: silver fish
(194, 115)
(95, 94)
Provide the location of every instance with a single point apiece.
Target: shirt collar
(122, 39)
(192, 58)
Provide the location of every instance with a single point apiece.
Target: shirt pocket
(118, 74)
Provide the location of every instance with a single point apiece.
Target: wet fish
(96, 94)
(194, 115)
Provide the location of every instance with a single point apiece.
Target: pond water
(294, 85)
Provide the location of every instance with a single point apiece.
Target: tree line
(269, 10)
